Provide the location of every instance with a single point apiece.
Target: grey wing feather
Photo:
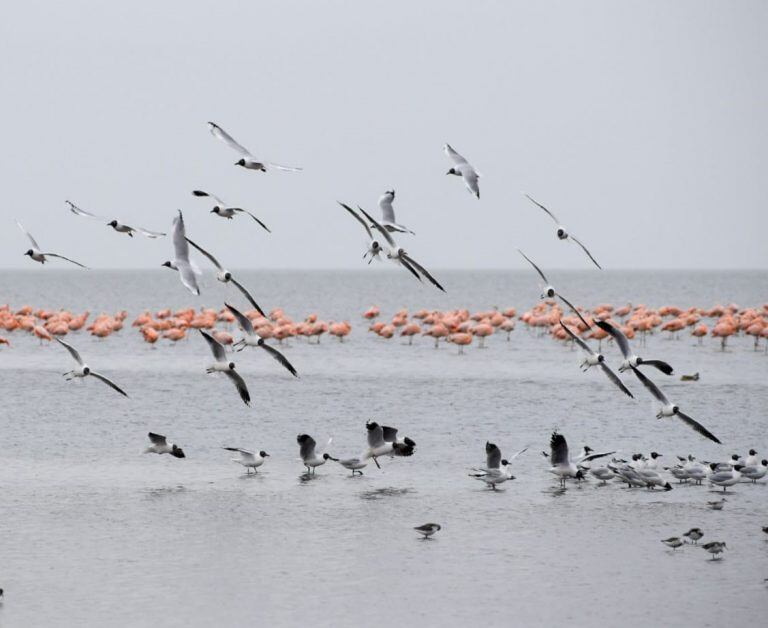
(225, 137)
(618, 336)
(242, 319)
(216, 347)
(387, 212)
(357, 217)
(422, 270)
(389, 433)
(245, 211)
(654, 390)
(594, 261)
(577, 340)
(575, 311)
(280, 358)
(81, 212)
(307, 448)
(213, 196)
(538, 270)
(697, 426)
(551, 215)
(455, 157)
(558, 449)
(492, 456)
(65, 258)
(284, 168)
(240, 385)
(615, 379)
(247, 295)
(379, 228)
(157, 439)
(150, 234)
(109, 382)
(26, 233)
(376, 437)
(213, 260)
(72, 351)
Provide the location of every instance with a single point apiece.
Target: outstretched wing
(150, 234)
(225, 137)
(558, 448)
(81, 212)
(659, 364)
(492, 456)
(574, 310)
(245, 211)
(26, 233)
(284, 168)
(387, 236)
(213, 260)
(65, 258)
(109, 382)
(454, 156)
(357, 217)
(307, 447)
(594, 261)
(247, 295)
(615, 379)
(697, 426)
(240, 385)
(157, 439)
(549, 213)
(280, 358)
(385, 205)
(242, 319)
(422, 270)
(577, 340)
(618, 336)
(208, 194)
(216, 347)
(72, 351)
(538, 270)
(653, 389)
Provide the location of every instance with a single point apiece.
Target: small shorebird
(694, 534)
(717, 505)
(427, 530)
(673, 542)
(714, 548)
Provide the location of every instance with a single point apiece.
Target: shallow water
(93, 533)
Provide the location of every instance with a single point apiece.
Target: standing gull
(562, 234)
(252, 339)
(248, 160)
(668, 409)
(562, 465)
(462, 168)
(248, 459)
(115, 224)
(493, 474)
(383, 441)
(37, 255)
(222, 365)
(309, 456)
(83, 370)
(225, 211)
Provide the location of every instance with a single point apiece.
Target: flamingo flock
(459, 327)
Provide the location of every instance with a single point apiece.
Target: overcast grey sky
(641, 124)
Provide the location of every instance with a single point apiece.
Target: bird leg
(377, 462)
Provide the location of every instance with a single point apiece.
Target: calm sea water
(94, 533)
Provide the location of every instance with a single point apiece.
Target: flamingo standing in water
(461, 339)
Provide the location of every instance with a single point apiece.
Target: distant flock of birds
(578, 327)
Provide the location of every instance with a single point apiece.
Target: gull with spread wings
(247, 160)
(462, 168)
(83, 370)
(226, 211)
(115, 224)
(37, 255)
(223, 365)
(252, 339)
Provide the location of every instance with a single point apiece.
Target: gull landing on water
(248, 459)
(493, 474)
(161, 446)
(252, 339)
(222, 365)
(309, 456)
(596, 359)
(247, 161)
(399, 255)
(383, 441)
(83, 370)
(668, 409)
(562, 234)
(562, 465)
(463, 169)
(630, 359)
(115, 224)
(225, 211)
(37, 255)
